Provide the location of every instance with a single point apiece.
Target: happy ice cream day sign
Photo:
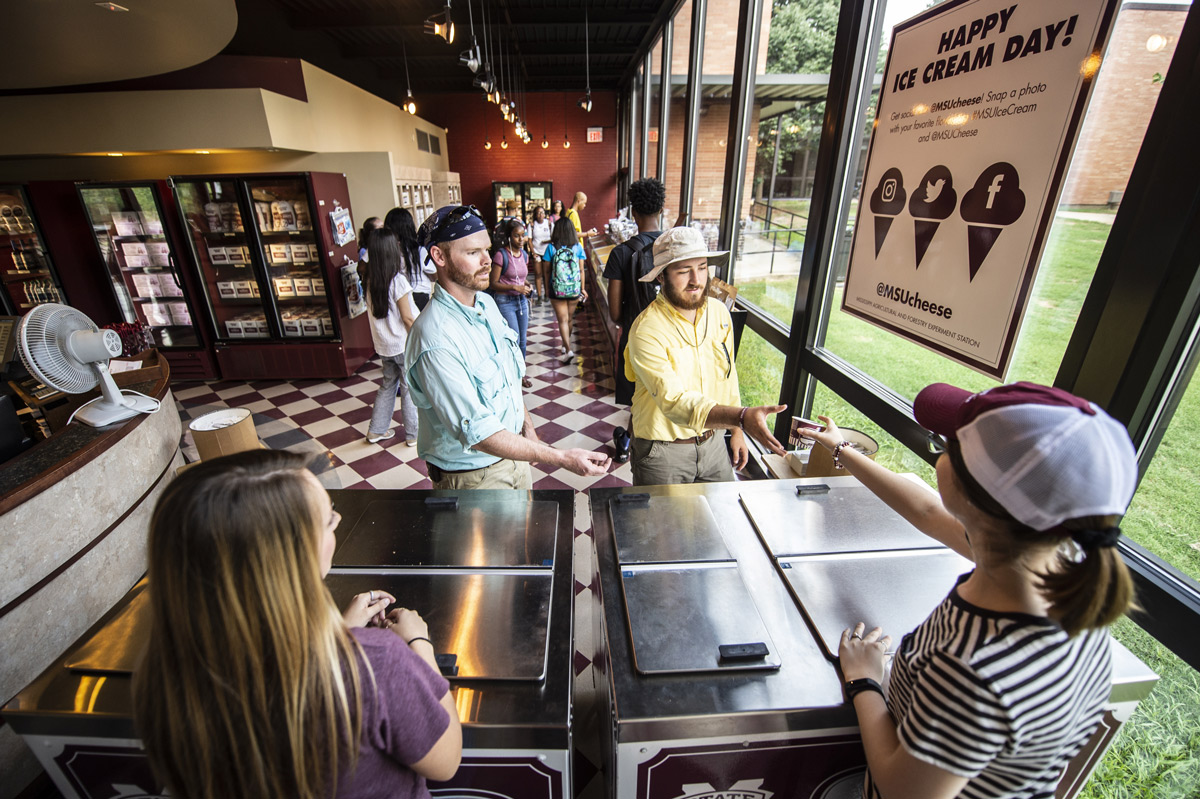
(978, 111)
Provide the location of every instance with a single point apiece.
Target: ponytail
(1095, 588)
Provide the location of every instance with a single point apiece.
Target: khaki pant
(501, 474)
(666, 463)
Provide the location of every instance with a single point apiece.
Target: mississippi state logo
(742, 789)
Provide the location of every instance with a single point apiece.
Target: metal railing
(793, 229)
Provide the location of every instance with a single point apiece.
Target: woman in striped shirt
(1006, 680)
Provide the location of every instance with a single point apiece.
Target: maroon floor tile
(551, 410)
(375, 464)
(552, 432)
(308, 417)
(549, 483)
(356, 416)
(339, 437)
(551, 391)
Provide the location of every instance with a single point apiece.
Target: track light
(470, 59)
(441, 25)
(585, 102)
(410, 105)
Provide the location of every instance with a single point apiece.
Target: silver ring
(372, 595)
(856, 635)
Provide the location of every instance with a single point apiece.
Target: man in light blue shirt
(465, 370)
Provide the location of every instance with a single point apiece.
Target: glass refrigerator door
(508, 199)
(537, 194)
(127, 225)
(283, 215)
(217, 231)
(25, 267)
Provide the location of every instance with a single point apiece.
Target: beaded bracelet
(837, 454)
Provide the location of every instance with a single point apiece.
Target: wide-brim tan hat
(681, 244)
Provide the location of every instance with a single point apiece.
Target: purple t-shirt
(401, 721)
(517, 271)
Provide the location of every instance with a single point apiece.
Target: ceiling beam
(554, 50)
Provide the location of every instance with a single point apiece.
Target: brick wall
(711, 146)
(590, 168)
(1121, 104)
(720, 38)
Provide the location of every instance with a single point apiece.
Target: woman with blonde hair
(1007, 679)
(253, 684)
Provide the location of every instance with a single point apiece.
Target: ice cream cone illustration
(933, 200)
(887, 200)
(996, 200)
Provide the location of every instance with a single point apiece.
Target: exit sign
(595, 135)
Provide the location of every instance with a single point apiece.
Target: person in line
(627, 296)
(465, 371)
(1007, 679)
(253, 684)
(510, 271)
(681, 359)
(556, 212)
(400, 222)
(539, 236)
(372, 223)
(392, 313)
(564, 260)
(573, 213)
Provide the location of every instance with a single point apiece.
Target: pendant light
(441, 25)
(504, 142)
(410, 104)
(585, 102)
(545, 142)
(566, 139)
(487, 143)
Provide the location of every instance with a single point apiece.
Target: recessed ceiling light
(116, 154)
(112, 7)
(202, 152)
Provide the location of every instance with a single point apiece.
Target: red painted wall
(590, 168)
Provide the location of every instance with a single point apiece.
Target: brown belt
(700, 439)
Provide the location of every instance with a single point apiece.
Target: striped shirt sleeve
(956, 721)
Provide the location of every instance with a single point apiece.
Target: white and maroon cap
(1044, 454)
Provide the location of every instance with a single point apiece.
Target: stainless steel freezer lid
(657, 529)
(478, 532)
(841, 519)
(116, 647)
(894, 590)
(495, 622)
(680, 617)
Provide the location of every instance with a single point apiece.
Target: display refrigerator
(276, 258)
(518, 198)
(26, 269)
(141, 254)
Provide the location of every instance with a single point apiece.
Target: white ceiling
(67, 42)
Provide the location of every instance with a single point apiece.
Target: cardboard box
(179, 313)
(218, 255)
(151, 224)
(236, 255)
(133, 248)
(156, 315)
(137, 261)
(285, 289)
(279, 253)
(314, 253)
(255, 292)
(310, 326)
(226, 290)
(242, 289)
(146, 285)
(304, 286)
(291, 325)
(234, 328)
(299, 253)
(326, 325)
(318, 284)
(168, 287)
(128, 223)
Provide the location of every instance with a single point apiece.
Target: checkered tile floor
(571, 406)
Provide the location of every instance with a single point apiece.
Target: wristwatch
(856, 687)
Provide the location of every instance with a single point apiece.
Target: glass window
(760, 369)
(795, 54)
(652, 122)
(635, 95)
(1125, 89)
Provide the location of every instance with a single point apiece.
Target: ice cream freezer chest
(490, 572)
(719, 611)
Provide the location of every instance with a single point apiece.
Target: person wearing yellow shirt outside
(680, 357)
(573, 213)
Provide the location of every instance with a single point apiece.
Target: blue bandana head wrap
(448, 223)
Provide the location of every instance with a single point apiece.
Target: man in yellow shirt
(573, 213)
(680, 357)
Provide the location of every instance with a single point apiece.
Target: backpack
(641, 263)
(566, 281)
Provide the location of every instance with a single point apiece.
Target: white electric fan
(64, 349)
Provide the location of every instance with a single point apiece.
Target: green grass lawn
(1158, 752)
